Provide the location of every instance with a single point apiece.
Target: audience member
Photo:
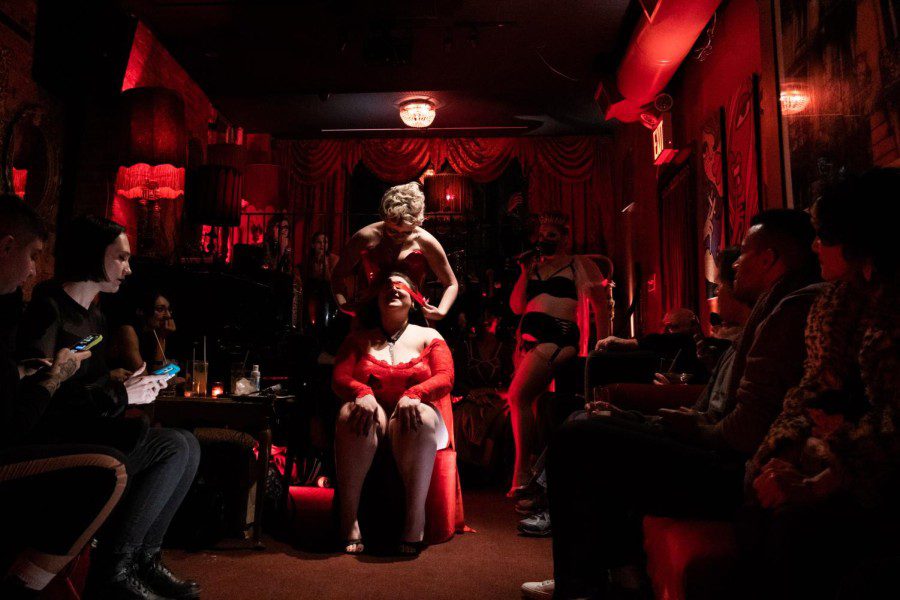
(143, 340)
(279, 255)
(394, 379)
(92, 257)
(46, 533)
(604, 472)
(319, 306)
(674, 345)
(827, 473)
(396, 243)
(547, 295)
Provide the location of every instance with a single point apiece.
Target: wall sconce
(794, 98)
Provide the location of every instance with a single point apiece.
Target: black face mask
(548, 247)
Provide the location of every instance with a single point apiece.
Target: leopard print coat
(852, 343)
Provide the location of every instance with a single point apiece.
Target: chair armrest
(647, 398)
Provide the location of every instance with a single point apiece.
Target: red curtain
(570, 174)
(678, 243)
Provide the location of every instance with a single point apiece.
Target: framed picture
(839, 80)
(741, 138)
(712, 188)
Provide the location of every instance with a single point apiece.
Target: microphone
(527, 254)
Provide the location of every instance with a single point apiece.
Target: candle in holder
(217, 390)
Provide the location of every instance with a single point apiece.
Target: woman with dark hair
(93, 257)
(317, 269)
(395, 380)
(827, 475)
(550, 288)
(143, 339)
(279, 256)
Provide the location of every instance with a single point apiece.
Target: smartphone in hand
(86, 343)
(170, 371)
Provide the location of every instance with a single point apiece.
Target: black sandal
(360, 547)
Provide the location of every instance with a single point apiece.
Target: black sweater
(53, 321)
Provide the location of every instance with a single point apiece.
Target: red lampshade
(152, 127)
(261, 185)
(448, 193)
(214, 195)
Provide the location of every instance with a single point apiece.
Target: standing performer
(396, 243)
(554, 289)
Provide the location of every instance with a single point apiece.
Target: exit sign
(663, 147)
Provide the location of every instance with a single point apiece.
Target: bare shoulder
(369, 233)
(426, 334)
(428, 243)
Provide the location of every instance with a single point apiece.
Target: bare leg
(532, 376)
(353, 457)
(414, 452)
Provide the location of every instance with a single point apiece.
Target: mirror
(30, 165)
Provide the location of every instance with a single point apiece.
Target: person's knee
(426, 427)
(192, 448)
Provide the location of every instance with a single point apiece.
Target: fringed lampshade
(448, 193)
(152, 127)
(150, 179)
(215, 195)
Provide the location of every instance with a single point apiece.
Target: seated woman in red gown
(396, 243)
(395, 379)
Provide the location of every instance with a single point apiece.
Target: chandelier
(417, 113)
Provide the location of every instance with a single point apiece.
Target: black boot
(161, 580)
(115, 577)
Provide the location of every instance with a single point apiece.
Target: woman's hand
(364, 414)
(602, 409)
(432, 313)
(781, 483)
(143, 389)
(660, 379)
(407, 412)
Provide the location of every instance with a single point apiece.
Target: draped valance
(570, 174)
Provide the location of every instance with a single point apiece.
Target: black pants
(604, 475)
(53, 497)
(161, 469)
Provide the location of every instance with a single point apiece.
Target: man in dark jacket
(606, 472)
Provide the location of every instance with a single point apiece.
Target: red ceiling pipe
(656, 50)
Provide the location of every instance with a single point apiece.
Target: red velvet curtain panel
(678, 242)
(570, 174)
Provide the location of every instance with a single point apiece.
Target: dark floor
(491, 563)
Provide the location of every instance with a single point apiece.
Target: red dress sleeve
(440, 361)
(343, 382)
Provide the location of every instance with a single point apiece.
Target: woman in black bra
(547, 296)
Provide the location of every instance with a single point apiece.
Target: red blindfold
(419, 298)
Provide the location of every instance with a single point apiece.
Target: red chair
(312, 510)
(686, 558)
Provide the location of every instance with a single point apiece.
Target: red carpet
(491, 563)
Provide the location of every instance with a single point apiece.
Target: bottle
(255, 377)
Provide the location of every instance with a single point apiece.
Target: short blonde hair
(403, 204)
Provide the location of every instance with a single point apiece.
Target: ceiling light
(417, 113)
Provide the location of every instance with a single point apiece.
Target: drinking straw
(674, 360)
(161, 349)
(204, 348)
(244, 366)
